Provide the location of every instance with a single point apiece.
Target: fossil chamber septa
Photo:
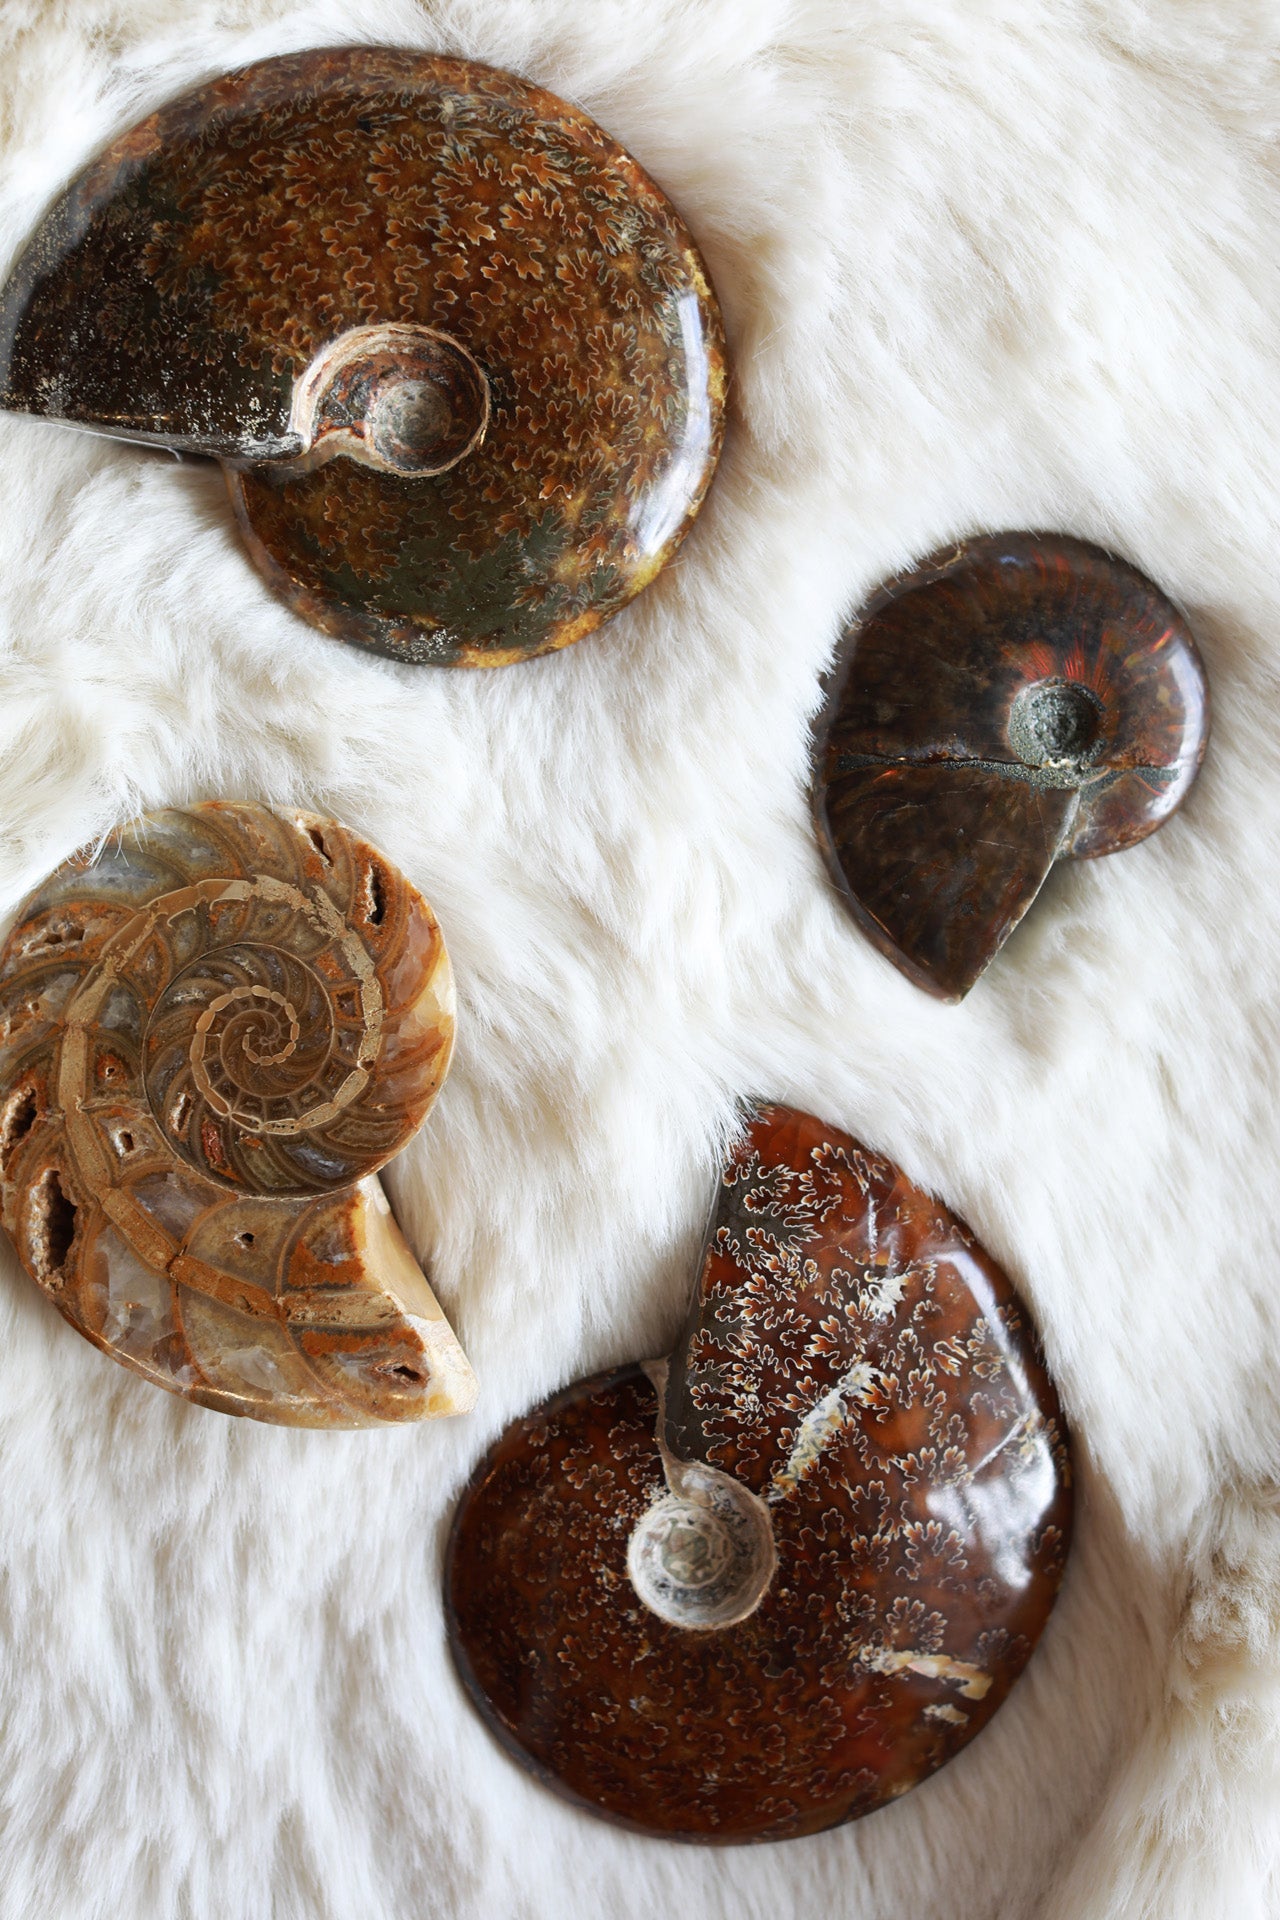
(458, 354)
(1012, 701)
(772, 1583)
(214, 1030)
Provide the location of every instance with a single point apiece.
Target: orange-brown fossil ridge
(457, 352)
(213, 1032)
(775, 1582)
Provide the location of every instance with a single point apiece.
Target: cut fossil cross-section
(213, 1033)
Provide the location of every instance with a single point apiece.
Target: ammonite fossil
(213, 1032)
(457, 353)
(1018, 700)
(770, 1585)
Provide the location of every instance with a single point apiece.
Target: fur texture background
(983, 265)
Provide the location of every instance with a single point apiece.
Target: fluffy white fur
(983, 265)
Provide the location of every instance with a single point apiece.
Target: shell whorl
(772, 1583)
(1016, 700)
(212, 1034)
(459, 355)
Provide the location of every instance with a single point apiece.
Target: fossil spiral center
(703, 1557)
(410, 420)
(694, 1550)
(408, 400)
(1055, 728)
(250, 1054)
(254, 1032)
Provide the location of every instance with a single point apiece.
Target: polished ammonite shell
(1016, 700)
(213, 1032)
(770, 1585)
(457, 352)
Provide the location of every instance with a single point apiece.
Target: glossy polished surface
(212, 1034)
(1017, 700)
(857, 1376)
(458, 353)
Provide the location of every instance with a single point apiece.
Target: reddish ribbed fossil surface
(1017, 700)
(791, 1582)
(458, 353)
(212, 1034)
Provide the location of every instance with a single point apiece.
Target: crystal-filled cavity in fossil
(456, 351)
(767, 1586)
(1017, 700)
(213, 1032)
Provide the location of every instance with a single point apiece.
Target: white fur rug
(985, 263)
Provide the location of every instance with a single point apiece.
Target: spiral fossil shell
(457, 352)
(1018, 700)
(770, 1585)
(212, 1034)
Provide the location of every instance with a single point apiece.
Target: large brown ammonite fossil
(771, 1584)
(213, 1032)
(457, 353)
(1017, 700)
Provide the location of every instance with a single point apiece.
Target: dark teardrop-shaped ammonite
(769, 1585)
(1016, 700)
(457, 352)
(213, 1032)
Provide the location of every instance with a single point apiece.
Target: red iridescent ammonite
(213, 1032)
(1017, 700)
(772, 1583)
(456, 351)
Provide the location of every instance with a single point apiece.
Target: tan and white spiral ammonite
(213, 1032)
